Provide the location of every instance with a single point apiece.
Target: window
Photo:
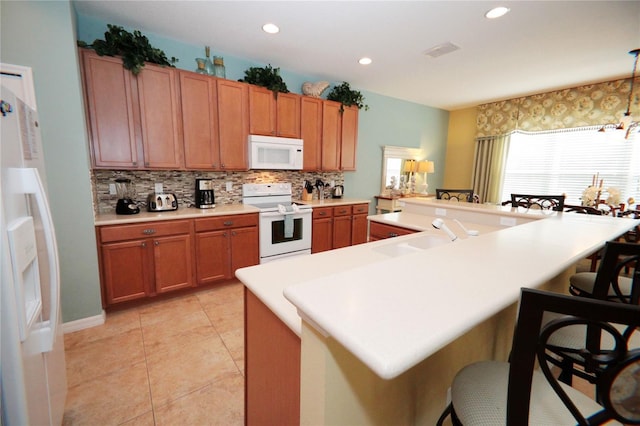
(565, 162)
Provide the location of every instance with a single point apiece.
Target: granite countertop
(181, 213)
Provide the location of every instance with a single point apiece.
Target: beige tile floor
(174, 362)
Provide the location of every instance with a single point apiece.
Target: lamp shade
(425, 167)
(409, 166)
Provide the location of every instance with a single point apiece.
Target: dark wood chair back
(455, 194)
(618, 365)
(543, 202)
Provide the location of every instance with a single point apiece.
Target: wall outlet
(229, 186)
(158, 188)
(112, 188)
(441, 212)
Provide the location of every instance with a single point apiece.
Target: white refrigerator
(32, 374)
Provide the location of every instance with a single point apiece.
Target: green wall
(41, 35)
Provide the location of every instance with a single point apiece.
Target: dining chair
(617, 278)
(455, 194)
(543, 202)
(517, 393)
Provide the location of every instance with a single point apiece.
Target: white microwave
(273, 153)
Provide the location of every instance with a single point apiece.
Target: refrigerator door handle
(27, 181)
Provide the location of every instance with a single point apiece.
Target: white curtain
(488, 169)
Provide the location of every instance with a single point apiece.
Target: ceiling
(537, 47)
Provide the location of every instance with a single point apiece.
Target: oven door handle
(276, 214)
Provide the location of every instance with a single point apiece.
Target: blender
(126, 192)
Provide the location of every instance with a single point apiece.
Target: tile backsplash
(182, 184)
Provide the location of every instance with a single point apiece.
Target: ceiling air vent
(441, 49)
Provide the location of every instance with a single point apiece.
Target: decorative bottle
(208, 64)
(202, 63)
(218, 67)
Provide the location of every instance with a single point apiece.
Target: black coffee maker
(205, 198)
(126, 193)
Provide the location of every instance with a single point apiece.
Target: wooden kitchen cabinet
(341, 226)
(224, 244)
(322, 229)
(273, 116)
(135, 121)
(348, 138)
(233, 122)
(272, 367)
(311, 132)
(331, 134)
(359, 223)
(142, 260)
(198, 94)
(381, 231)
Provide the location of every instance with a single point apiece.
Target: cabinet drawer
(360, 208)
(381, 231)
(321, 212)
(230, 221)
(143, 230)
(342, 210)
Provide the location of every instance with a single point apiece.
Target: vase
(218, 67)
(201, 66)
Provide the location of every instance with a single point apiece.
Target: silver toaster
(162, 201)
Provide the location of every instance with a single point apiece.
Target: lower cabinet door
(359, 229)
(212, 254)
(125, 271)
(321, 235)
(244, 248)
(341, 231)
(173, 262)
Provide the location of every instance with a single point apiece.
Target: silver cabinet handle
(149, 231)
(156, 243)
(143, 244)
(228, 223)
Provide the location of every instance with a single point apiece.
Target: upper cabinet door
(311, 132)
(233, 123)
(262, 111)
(199, 121)
(288, 115)
(110, 112)
(349, 138)
(331, 134)
(160, 117)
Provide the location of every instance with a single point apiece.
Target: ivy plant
(268, 77)
(347, 96)
(134, 48)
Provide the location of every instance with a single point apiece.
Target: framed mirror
(394, 159)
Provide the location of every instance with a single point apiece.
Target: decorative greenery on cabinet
(347, 96)
(134, 48)
(268, 77)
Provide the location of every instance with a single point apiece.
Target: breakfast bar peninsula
(383, 327)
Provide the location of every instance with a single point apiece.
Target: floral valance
(594, 104)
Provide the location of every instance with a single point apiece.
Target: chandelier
(626, 122)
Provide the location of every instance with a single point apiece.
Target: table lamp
(410, 167)
(425, 167)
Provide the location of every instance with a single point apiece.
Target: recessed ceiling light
(270, 28)
(364, 61)
(497, 12)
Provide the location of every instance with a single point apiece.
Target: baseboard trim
(81, 324)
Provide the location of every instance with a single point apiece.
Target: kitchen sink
(412, 245)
